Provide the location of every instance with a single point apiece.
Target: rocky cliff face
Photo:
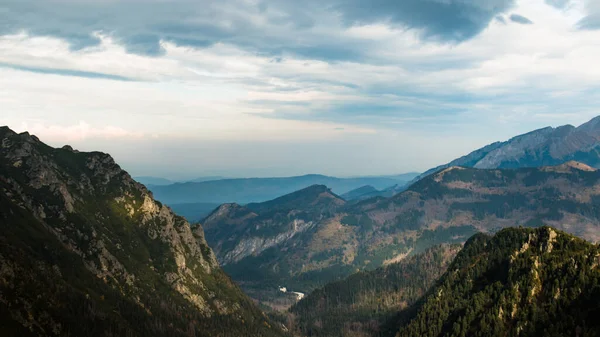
(86, 250)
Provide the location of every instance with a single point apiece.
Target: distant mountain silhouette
(246, 190)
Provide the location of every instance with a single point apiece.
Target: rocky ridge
(544, 147)
(61, 205)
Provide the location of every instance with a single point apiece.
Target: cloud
(520, 19)
(263, 26)
(592, 20)
(107, 60)
(447, 20)
(76, 132)
(64, 72)
(232, 75)
(561, 4)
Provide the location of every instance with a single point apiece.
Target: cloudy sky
(182, 88)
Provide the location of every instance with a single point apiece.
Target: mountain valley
(312, 237)
(371, 262)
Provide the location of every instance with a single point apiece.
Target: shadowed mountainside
(86, 251)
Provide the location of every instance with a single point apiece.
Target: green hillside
(363, 303)
(520, 282)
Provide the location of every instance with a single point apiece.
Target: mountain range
(195, 199)
(310, 237)
(544, 147)
(304, 244)
(246, 190)
(158, 181)
(86, 251)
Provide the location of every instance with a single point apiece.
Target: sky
(182, 88)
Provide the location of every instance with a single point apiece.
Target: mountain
(207, 178)
(520, 282)
(359, 193)
(564, 196)
(149, 181)
(304, 244)
(239, 231)
(386, 192)
(362, 304)
(86, 251)
(156, 181)
(246, 190)
(544, 147)
(403, 176)
(195, 211)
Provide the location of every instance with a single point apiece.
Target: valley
(280, 168)
(312, 237)
(365, 263)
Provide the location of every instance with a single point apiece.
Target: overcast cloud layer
(184, 88)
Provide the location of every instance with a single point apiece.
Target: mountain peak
(592, 127)
(230, 213)
(359, 193)
(542, 147)
(439, 176)
(5, 131)
(309, 198)
(7, 135)
(569, 166)
(316, 188)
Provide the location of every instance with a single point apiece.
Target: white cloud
(521, 76)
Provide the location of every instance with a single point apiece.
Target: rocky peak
(563, 131)
(69, 148)
(543, 147)
(592, 127)
(515, 148)
(439, 177)
(311, 198)
(230, 213)
(5, 131)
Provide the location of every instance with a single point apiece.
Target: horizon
(252, 88)
(189, 180)
(217, 175)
